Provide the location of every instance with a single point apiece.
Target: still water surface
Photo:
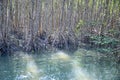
(58, 66)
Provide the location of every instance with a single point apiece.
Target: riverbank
(42, 42)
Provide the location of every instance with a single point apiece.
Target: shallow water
(58, 66)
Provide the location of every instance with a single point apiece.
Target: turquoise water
(59, 66)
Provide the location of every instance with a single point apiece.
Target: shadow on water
(82, 65)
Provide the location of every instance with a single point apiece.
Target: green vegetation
(105, 43)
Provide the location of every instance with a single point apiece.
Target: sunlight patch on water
(61, 56)
(79, 73)
(77, 70)
(31, 69)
